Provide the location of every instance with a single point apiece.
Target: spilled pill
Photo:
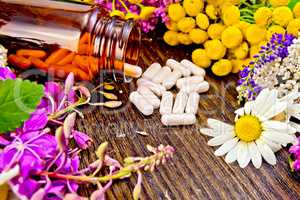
(199, 88)
(141, 104)
(177, 66)
(133, 71)
(180, 102)
(198, 71)
(149, 96)
(192, 103)
(178, 119)
(152, 71)
(189, 81)
(163, 73)
(166, 103)
(154, 87)
(170, 81)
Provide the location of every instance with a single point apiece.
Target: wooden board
(194, 173)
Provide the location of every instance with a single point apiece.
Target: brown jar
(75, 38)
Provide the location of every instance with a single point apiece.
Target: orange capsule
(67, 60)
(31, 53)
(38, 63)
(57, 56)
(62, 71)
(19, 61)
(82, 62)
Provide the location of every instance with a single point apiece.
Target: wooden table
(194, 172)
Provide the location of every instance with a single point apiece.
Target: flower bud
(69, 83)
(82, 140)
(101, 150)
(69, 124)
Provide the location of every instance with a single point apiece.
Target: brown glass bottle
(78, 38)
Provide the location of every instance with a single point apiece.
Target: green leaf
(293, 3)
(18, 99)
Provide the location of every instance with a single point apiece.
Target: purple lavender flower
(6, 73)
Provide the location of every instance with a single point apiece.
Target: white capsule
(154, 87)
(141, 104)
(199, 88)
(177, 66)
(166, 103)
(162, 75)
(191, 80)
(149, 96)
(192, 103)
(198, 71)
(180, 103)
(178, 119)
(170, 81)
(152, 71)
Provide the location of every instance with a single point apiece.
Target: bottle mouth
(116, 42)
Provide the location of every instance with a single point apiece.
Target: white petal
(247, 107)
(231, 155)
(218, 125)
(278, 126)
(266, 152)
(273, 145)
(240, 111)
(208, 132)
(255, 155)
(220, 139)
(243, 156)
(227, 146)
(274, 110)
(280, 138)
(260, 102)
(295, 125)
(291, 96)
(6, 176)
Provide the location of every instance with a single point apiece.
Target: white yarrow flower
(255, 135)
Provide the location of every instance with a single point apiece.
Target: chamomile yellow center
(248, 128)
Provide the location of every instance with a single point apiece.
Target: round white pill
(154, 87)
(198, 71)
(149, 96)
(170, 81)
(177, 66)
(141, 104)
(180, 102)
(192, 103)
(166, 103)
(162, 75)
(151, 71)
(189, 81)
(199, 88)
(178, 119)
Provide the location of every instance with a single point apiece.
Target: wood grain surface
(194, 172)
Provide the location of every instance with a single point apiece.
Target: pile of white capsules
(152, 92)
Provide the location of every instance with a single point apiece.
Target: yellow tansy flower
(238, 65)
(230, 15)
(211, 12)
(232, 2)
(276, 3)
(171, 38)
(172, 26)
(254, 49)
(193, 7)
(215, 30)
(241, 51)
(215, 2)
(215, 50)
(202, 21)
(263, 16)
(296, 10)
(222, 67)
(198, 36)
(184, 38)
(294, 27)
(255, 34)
(200, 58)
(186, 24)
(282, 15)
(176, 12)
(232, 37)
(243, 26)
(274, 29)
(147, 12)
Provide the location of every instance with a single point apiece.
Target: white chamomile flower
(255, 135)
(293, 108)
